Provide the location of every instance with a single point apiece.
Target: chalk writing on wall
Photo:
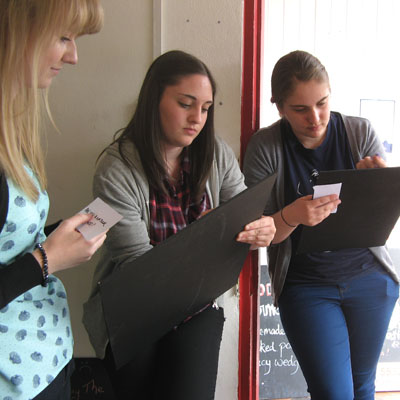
(90, 381)
(280, 374)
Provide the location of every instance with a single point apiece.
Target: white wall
(212, 31)
(95, 98)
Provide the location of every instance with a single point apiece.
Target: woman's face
(307, 110)
(183, 110)
(60, 51)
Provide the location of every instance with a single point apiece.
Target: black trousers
(60, 387)
(182, 365)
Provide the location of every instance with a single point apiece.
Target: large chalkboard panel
(90, 381)
(280, 373)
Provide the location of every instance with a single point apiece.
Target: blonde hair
(27, 28)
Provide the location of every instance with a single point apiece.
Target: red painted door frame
(249, 278)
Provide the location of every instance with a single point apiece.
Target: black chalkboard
(356, 206)
(90, 381)
(279, 371)
(180, 276)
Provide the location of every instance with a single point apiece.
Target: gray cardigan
(264, 156)
(126, 190)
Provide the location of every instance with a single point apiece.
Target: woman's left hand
(371, 162)
(258, 233)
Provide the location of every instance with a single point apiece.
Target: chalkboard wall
(90, 381)
(280, 374)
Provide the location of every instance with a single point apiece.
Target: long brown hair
(27, 28)
(145, 130)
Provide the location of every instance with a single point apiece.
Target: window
(356, 40)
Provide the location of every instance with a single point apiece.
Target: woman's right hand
(309, 211)
(303, 211)
(65, 247)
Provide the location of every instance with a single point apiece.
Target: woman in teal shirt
(36, 38)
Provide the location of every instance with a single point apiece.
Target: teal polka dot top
(35, 330)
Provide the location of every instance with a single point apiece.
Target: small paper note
(104, 217)
(326, 190)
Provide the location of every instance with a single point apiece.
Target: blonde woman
(36, 38)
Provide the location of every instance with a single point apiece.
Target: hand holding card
(325, 190)
(104, 217)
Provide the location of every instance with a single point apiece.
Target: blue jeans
(337, 332)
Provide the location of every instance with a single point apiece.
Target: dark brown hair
(291, 68)
(145, 129)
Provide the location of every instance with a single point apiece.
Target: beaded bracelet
(45, 269)
(284, 220)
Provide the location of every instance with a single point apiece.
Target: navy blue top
(302, 166)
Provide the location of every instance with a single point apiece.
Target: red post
(249, 278)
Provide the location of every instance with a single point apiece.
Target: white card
(104, 217)
(326, 190)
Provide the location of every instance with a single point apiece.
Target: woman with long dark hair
(162, 172)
